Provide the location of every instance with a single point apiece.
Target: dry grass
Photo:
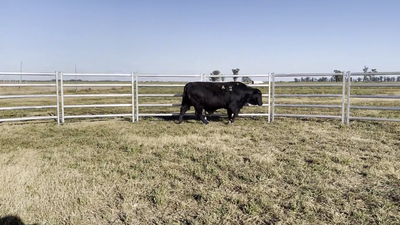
(115, 172)
(155, 171)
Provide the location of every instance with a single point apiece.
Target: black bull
(210, 96)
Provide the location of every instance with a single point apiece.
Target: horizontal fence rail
(350, 96)
(36, 84)
(283, 85)
(113, 84)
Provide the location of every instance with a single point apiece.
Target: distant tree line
(369, 76)
(358, 79)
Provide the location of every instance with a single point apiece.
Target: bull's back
(200, 88)
(207, 94)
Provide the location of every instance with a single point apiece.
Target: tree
(398, 79)
(367, 77)
(215, 72)
(337, 78)
(373, 78)
(246, 79)
(323, 79)
(235, 72)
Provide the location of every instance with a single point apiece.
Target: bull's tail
(185, 105)
(185, 98)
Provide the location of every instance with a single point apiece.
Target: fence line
(119, 84)
(138, 85)
(55, 96)
(135, 84)
(342, 106)
(350, 96)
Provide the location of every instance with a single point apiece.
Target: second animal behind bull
(210, 96)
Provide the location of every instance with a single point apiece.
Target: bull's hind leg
(233, 111)
(199, 114)
(229, 111)
(235, 114)
(184, 108)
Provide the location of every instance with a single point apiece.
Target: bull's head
(256, 98)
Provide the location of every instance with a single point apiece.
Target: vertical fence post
(348, 97)
(273, 98)
(343, 94)
(62, 96)
(58, 98)
(137, 97)
(20, 75)
(133, 96)
(269, 97)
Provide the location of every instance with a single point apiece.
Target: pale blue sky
(193, 37)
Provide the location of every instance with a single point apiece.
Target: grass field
(111, 171)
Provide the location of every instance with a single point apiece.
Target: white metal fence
(350, 96)
(92, 84)
(37, 84)
(135, 82)
(139, 84)
(330, 84)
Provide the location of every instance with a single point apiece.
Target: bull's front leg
(199, 114)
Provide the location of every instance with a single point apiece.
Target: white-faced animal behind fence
(210, 96)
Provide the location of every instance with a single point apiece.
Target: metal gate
(330, 84)
(38, 83)
(92, 84)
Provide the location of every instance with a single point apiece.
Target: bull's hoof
(206, 122)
